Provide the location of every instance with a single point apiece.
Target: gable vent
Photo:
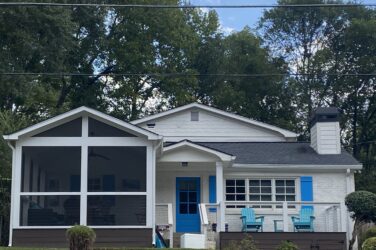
(194, 116)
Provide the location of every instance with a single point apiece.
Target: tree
(362, 206)
(296, 34)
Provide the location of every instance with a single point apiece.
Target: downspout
(12, 193)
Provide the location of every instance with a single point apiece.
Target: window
(194, 116)
(235, 191)
(117, 169)
(48, 210)
(100, 129)
(69, 129)
(259, 190)
(119, 210)
(51, 169)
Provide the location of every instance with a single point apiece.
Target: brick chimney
(325, 131)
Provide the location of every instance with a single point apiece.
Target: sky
(236, 19)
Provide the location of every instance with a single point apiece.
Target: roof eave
(299, 166)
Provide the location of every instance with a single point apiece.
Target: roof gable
(79, 112)
(229, 120)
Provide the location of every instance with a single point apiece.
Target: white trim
(79, 141)
(75, 113)
(84, 170)
(12, 201)
(284, 132)
(222, 156)
(66, 227)
(297, 167)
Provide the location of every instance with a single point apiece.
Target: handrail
(170, 221)
(203, 214)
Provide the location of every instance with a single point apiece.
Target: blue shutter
(306, 189)
(212, 192)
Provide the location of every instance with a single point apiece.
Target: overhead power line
(170, 6)
(61, 74)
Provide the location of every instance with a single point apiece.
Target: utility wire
(61, 74)
(169, 6)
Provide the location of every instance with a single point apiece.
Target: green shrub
(371, 232)
(369, 244)
(80, 238)
(287, 245)
(247, 243)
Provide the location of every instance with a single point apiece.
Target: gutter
(297, 166)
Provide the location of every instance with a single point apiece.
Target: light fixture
(184, 164)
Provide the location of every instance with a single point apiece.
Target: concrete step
(177, 239)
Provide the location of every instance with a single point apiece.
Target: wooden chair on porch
(305, 221)
(251, 223)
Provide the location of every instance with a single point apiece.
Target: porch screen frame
(84, 142)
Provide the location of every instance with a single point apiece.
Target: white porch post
(219, 194)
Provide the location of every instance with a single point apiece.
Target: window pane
(280, 197)
(254, 190)
(279, 182)
(69, 129)
(116, 210)
(193, 208)
(240, 183)
(230, 190)
(51, 169)
(266, 197)
(240, 189)
(118, 168)
(57, 210)
(230, 197)
(192, 197)
(254, 182)
(183, 197)
(230, 182)
(183, 208)
(240, 197)
(290, 197)
(254, 197)
(100, 129)
(267, 190)
(290, 190)
(290, 183)
(266, 183)
(280, 190)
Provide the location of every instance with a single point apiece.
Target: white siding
(209, 127)
(325, 138)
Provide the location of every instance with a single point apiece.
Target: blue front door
(187, 201)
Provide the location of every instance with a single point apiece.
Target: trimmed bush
(247, 243)
(369, 244)
(81, 238)
(371, 232)
(287, 245)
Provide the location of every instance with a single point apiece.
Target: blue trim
(212, 192)
(188, 221)
(306, 189)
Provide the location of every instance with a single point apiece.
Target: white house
(187, 170)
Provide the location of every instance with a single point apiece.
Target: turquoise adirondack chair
(251, 223)
(305, 221)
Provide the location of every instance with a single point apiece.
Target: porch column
(219, 194)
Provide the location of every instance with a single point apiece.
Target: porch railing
(209, 217)
(330, 216)
(164, 220)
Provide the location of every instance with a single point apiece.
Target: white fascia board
(75, 113)
(296, 167)
(223, 156)
(284, 132)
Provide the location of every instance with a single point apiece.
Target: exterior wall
(166, 181)
(325, 138)
(210, 127)
(327, 187)
(105, 238)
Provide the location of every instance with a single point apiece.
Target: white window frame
(273, 179)
(84, 142)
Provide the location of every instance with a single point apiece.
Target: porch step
(177, 239)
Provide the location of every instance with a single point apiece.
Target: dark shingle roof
(279, 153)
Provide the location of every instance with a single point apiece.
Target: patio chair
(251, 223)
(305, 221)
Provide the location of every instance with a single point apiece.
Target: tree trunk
(357, 225)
